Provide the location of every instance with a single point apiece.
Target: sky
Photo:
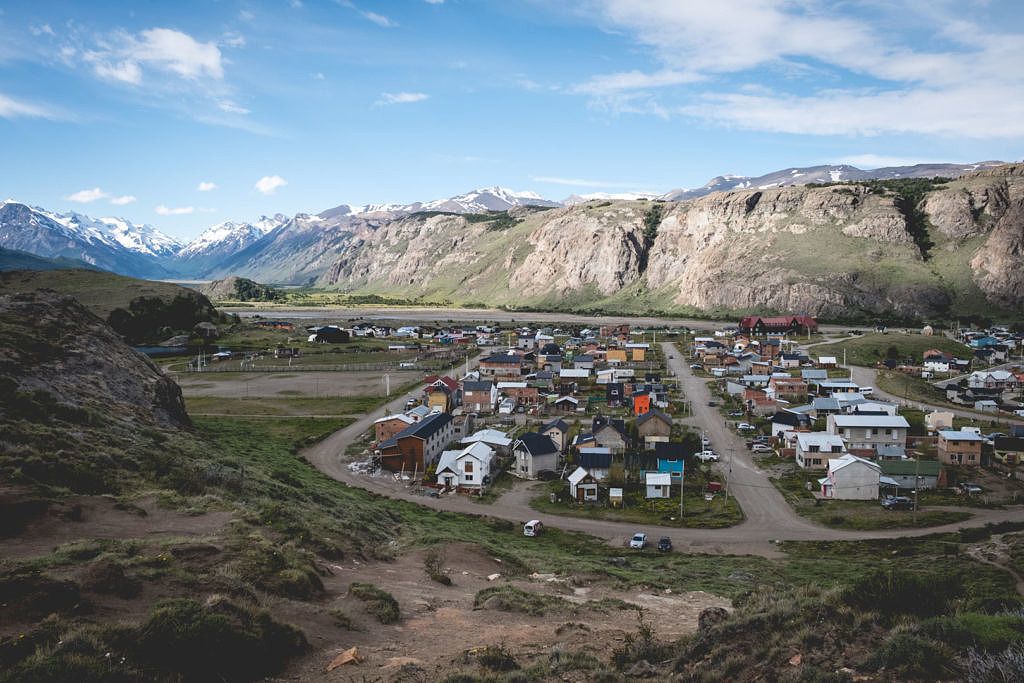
(187, 114)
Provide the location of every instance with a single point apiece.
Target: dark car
(897, 503)
(712, 403)
(664, 544)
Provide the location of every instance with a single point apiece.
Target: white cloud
(246, 15)
(954, 80)
(122, 200)
(42, 30)
(378, 19)
(401, 97)
(122, 56)
(126, 71)
(206, 186)
(269, 184)
(87, 196)
(318, 76)
(580, 182)
(174, 211)
(981, 111)
(11, 108)
(233, 39)
(231, 108)
(434, 2)
(296, 4)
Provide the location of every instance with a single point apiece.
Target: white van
(533, 528)
(867, 391)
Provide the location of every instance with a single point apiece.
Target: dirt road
(768, 516)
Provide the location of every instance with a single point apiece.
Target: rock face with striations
(52, 344)
(834, 251)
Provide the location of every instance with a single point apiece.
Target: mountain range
(601, 249)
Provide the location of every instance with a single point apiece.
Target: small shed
(659, 484)
(582, 486)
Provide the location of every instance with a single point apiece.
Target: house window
(469, 477)
(469, 467)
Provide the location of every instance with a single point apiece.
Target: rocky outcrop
(999, 264)
(53, 347)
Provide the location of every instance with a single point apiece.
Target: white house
(582, 486)
(574, 373)
(491, 437)
(936, 365)
(867, 432)
(469, 468)
(851, 478)
(659, 484)
(938, 419)
(814, 448)
(874, 407)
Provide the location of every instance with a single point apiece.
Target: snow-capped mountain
(823, 174)
(608, 196)
(109, 243)
(229, 237)
(480, 200)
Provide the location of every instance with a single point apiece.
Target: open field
(281, 407)
(698, 513)
(285, 385)
(869, 349)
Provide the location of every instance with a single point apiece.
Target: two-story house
(865, 433)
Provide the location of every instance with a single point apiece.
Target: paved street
(768, 516)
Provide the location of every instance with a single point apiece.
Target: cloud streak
(174, 211)
(87, 196)
(387, 98)
(269, 184)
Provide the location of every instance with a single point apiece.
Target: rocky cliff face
(51, 344)
(834, 251)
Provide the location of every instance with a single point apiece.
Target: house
(610, 433)
(994, 379)
(827, 362)
(479, 396)
(615, 356)
(614, 394)
(387, 427)
(834, 386)
(418, 445)
(814, 448)
(583, 362)
(874, 408)
(851, 478)
(822, 406)
(938, 419)
(1008, 451)
(864, 433)
(813, 375)
(754, 324)
(507, 365)
(654, 423)
(986, 406)
(558, 431)
(534, 453)
(641, 402)
(567, 404)
(670, 457)
(498, 441)
(328, 334)
(584, 440)
(638, 354)
(961, 447)
(659, 484)
(597, 461)
(786, 388)
(582, 486)
(522, 392)
(912, 474)
(439, 399)
(468, 468)
(788, 421)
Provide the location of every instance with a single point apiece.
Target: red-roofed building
(755, 324)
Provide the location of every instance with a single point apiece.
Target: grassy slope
(867, 350)
(99, 291)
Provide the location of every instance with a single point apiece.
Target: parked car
(897, 503)
(664, 544)
(696, 366)
(736, 413)
(745, 426)
(639, 541)
(761, 448)
(533, 528)
(712, 403)
(708, 456)
(969, 489)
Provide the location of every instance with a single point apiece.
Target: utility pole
(728, 476)
(682, 486)
(917, 484)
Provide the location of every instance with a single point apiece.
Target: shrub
(433, 564)
(497, 658)
(379, 602)
(219, 641)
(900, 592)
(912, 655)
(511, 599)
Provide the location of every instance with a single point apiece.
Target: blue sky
(190, 113)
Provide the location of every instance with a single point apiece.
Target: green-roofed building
(902, 474)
